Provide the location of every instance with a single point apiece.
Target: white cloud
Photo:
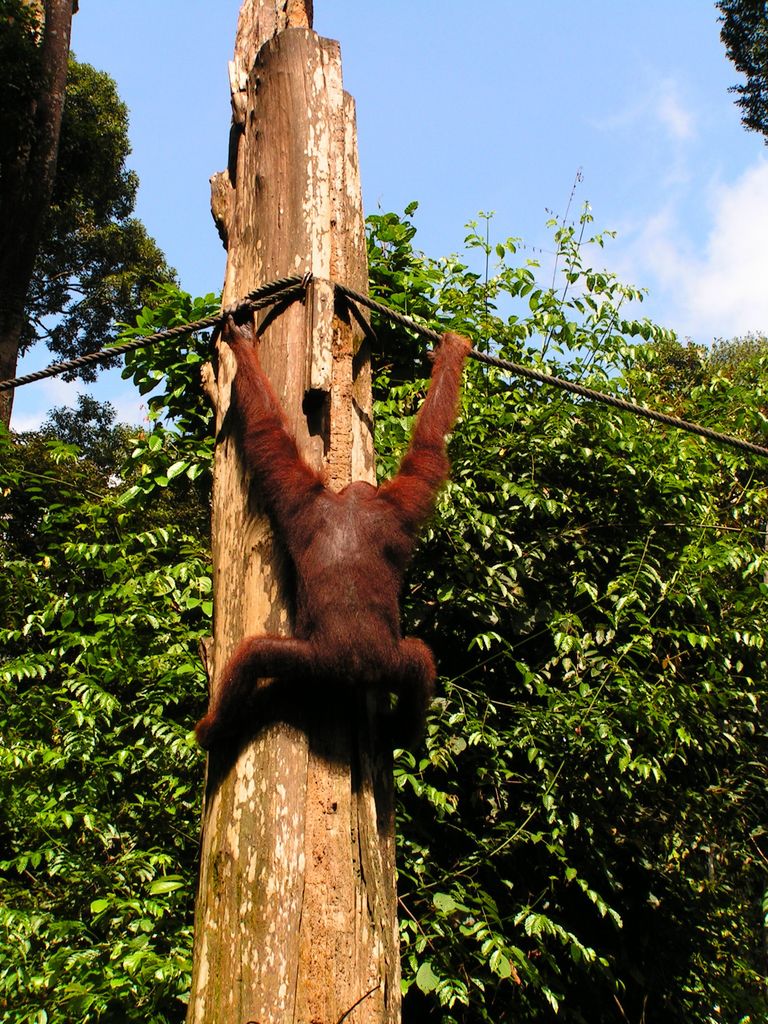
(730, 283)
(27, 421)
(660, 128)
(669, 110)
(33, 402)
(661, 105)
(719, 289)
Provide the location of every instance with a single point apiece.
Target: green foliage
(585, 831)
(105, 593)
(96, 264)
(91, 427)
(176, 457)
(744, 32)
(20, 64)
(174, 366)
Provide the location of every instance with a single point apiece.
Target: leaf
(444, 903)
(426, 979)
(168, 884)
(500, 964)
(177, 468)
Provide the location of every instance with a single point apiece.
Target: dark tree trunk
(26, 183)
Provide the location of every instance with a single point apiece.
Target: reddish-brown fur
(349, 551)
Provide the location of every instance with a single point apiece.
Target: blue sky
(468, 107)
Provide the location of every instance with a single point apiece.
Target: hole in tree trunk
(316, 408)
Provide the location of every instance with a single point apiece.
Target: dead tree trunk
(28, 169)
(296, 912)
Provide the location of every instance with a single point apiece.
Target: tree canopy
(745, 35)
(96, 264)
(73, 260)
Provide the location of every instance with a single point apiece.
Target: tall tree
(90, 263)
(745, 35)
(29, 146)
(96, 263)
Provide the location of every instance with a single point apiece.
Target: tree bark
(28, 174)
(296, 912)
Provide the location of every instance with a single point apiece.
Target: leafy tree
(96, 850)
(745, 35)
(97, 264)
(34, 37)
(104, 599)
(90, 427)
(742, 360)
(586, 830)
(89, 264)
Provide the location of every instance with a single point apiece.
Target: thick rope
(287, 288)
(559, 382)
